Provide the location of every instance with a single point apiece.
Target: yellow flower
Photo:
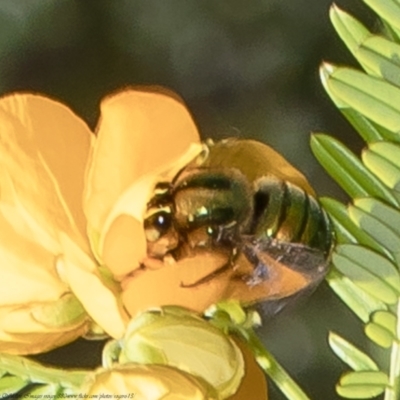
(149, 382)
(71, 201)
(54, 168)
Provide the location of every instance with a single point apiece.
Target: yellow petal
(194, 283)
(122, 242)
(254, 384)
(20, 333)
(27, 269)
(139, 132)
(84, 280)
(43, 144)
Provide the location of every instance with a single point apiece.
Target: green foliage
(20, 375)
(366, 260)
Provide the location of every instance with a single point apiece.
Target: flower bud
(148, 382)
(176, 337)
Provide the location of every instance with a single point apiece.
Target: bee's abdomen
(286, 212)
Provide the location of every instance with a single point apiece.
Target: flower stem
(271, 366)
(37, 373)
(393, 390)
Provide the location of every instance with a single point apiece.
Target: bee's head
(204, 208)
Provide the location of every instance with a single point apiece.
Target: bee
(242, 199)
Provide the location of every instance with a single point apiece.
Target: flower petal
(27, 275)
(122, 242)
(86, 283)
(149, 382)
(139, 132)
(43, 144)
(21, 333)
(194, 283)
(254, 381)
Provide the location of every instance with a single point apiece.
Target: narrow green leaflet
(365, 279)
(369, 131)
(371, 96)
(350, 354)
(389, 151)
(380, 335)
(382, 328)
(366, 128)
(351, 31)
(364, 377)
(380, 57)
(380, 231)
(348, 170)
(388, 215)
(376, 54)
(359, 301)
(372, 263)
(345, 229)
(389, 10)
(362, 385)
(386, 319)
(368, 254)
(383, 159)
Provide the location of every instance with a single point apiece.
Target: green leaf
(345, 229)
(369, 131)
(380, 231)
(351, 31)
(382, 328)
(386, 319)
(359, 301)
(362, 385)
(380, 57)
(371, 96)
(365, 279)
(350, 354)
(377, 55)
(388, 215)
(389, 10)
(383, 159)
(373, 263)
(12, 384)
(364, 377)
(348, 170)
(380, 335)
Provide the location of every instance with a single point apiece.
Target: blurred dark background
(245, 68)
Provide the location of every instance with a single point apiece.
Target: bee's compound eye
(157, 224)
(213, 232)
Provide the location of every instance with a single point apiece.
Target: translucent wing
(272, 271)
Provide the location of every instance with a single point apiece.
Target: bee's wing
(271, 271)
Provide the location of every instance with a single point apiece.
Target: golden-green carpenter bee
(243, 199)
